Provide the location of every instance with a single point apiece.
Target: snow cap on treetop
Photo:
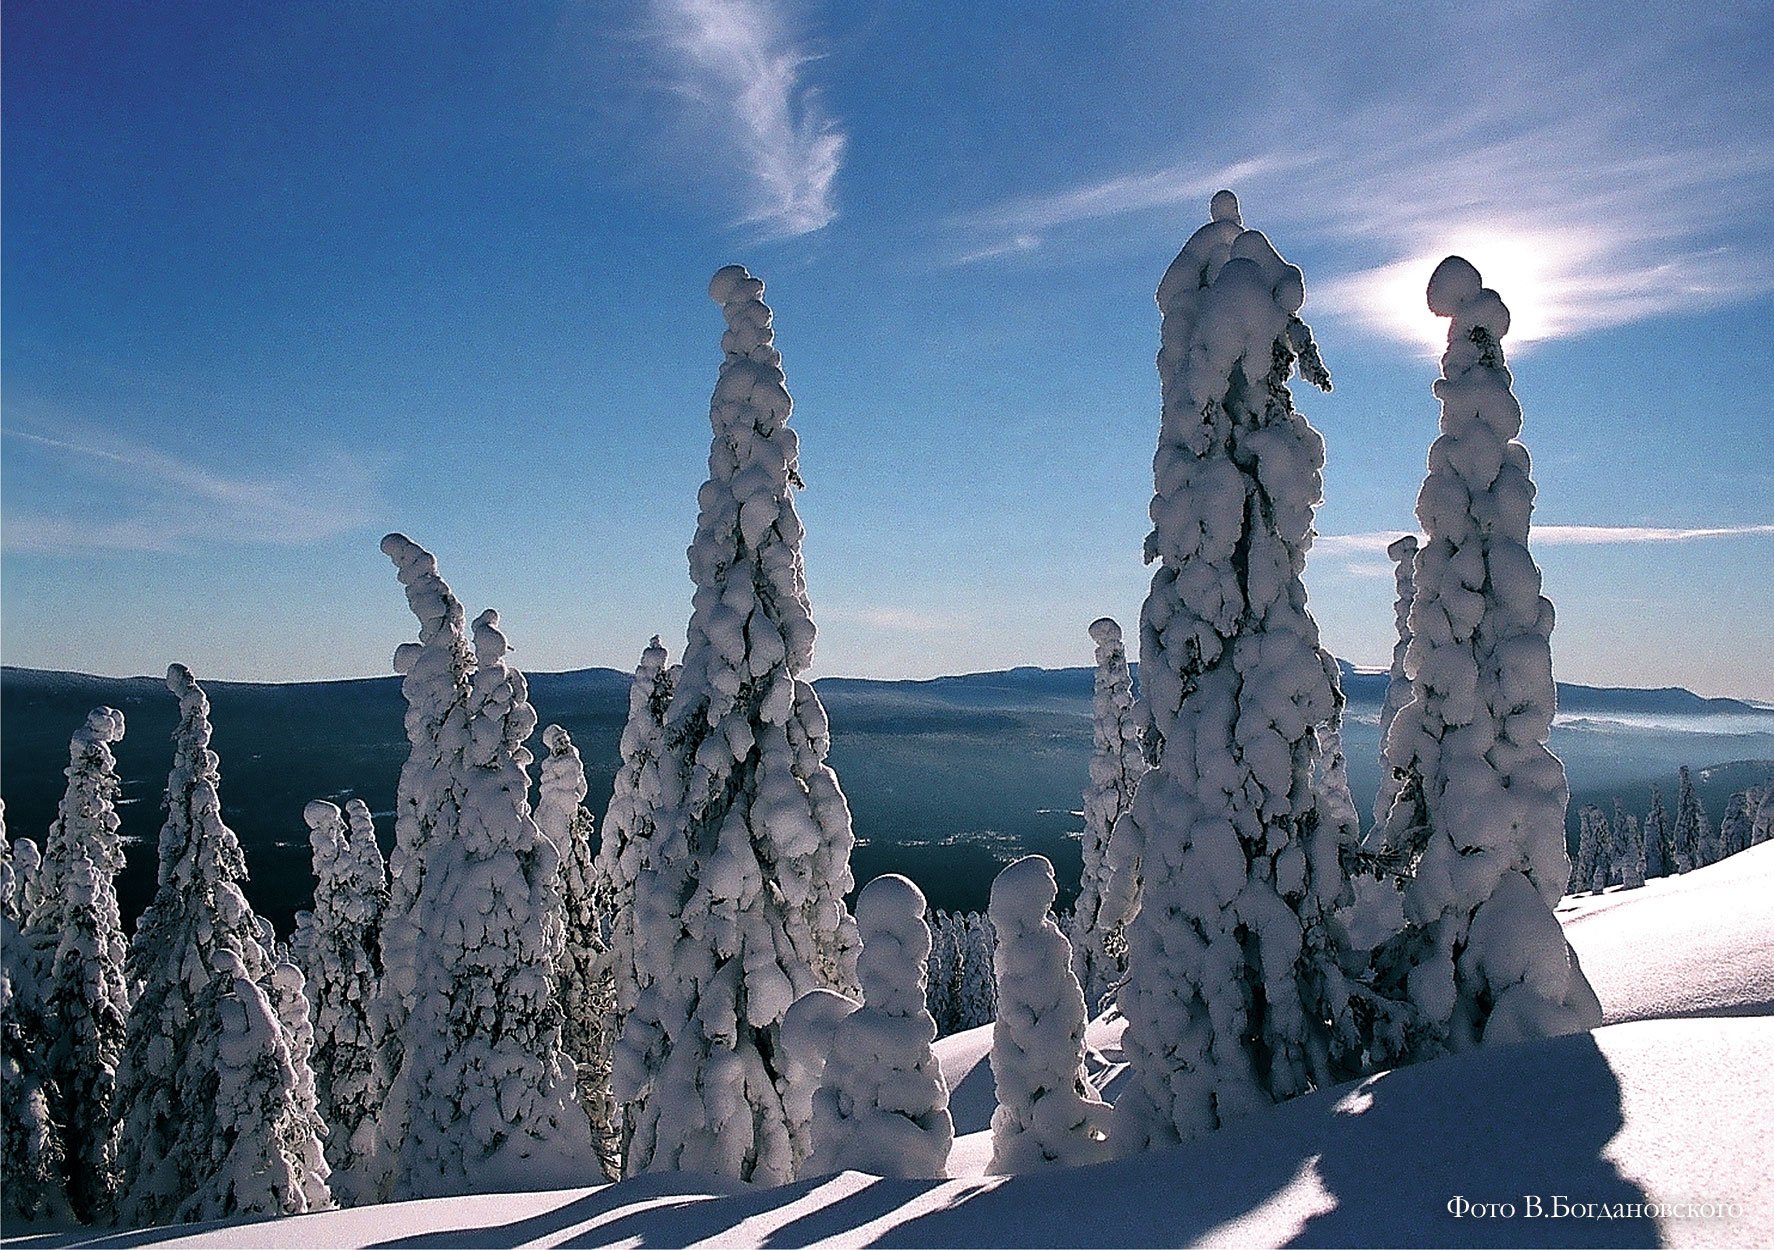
(103, 724)
(427, 595)
(888, 902)
(1224, 207)
(179, 680)
(319, 813)
(489, 641)
(1457, 290)
(733, 285)
(1105, 630)
(1402, 548)
(1025, 888)
(556, 739)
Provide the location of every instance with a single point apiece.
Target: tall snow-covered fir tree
(1099, 943)
(1629, 848)
(1481, 957)
(1660, 856)
(339, 941)
(31, 1157)
(1234, 997)
(482, 1093)
(196, 953)
(1761, 823)
(1691, 833)
(587, 989)
(305, 1132)
(883, 1105)
(76, 933)
(740, 904)
(976, 986)
(1589, 871)
(1393, 782)
(1048, 1115)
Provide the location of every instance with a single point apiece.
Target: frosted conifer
(1589, 871)
(587, 988)
(1099, 947)
(976, 986)
(1691, 834)
(76, 933)
(1481, 957)
(1395, 778)
(1629, 848)
(1242, 862)
(338, 942)
(31, 1158)
(882, 1105)
(1048, 1115)
(1660, 856)
(1735, 828)
(939, 972)
(740, 903)
(304, 1132)
(27, 865)
(482, 1094)
(809, 1032)
(1761, 825)
(198, 930)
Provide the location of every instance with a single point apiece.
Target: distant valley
(947, 779)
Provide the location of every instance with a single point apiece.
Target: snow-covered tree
(1047, 1114)
(75, 932)
(197, 952)
(631, 818)
(809, 1032)
(27, 864)
(740, 904)
(1629, 848)
(31, 1156)
(1234, 996)
(1590, 870)
(1393, 783)
(943, 971)
(1660, 856)
(1481, 958)
(304, 1132)
(1761, 825)
(976, 987)
(587, 988)
(1736, 829)
(1099, 946)
(882, 1105)
(482, 1093)
(1692, 832)
(338, 941)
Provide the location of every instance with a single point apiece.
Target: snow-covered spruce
(197, 948)
(1393, 783)
(1660, 857)
(31, 1157)
(1241, 865)
(1590, 871)
(1048, 1115)
(27, 866)
(338, 942)
(1481, 958)
(305, 1132)
(587, 990)
(1692, 833)
(808, 1032)
(630, 820)
(942, 971)
(976, 986)
(882, 1105)
(1629, 848)
(482, 1096)
(75, 932)
(739, 906)
(1761, 825)
(1099, 943)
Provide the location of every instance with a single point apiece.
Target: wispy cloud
(1373, 544)
(738, 63)
(1585, 193)
(157, 502)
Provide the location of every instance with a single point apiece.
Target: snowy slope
(1648, 1111)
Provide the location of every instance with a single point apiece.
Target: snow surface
(1667, 1110)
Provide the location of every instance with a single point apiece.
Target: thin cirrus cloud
(1602, 212)
(739, 67)
(178, 505)
(1372, 545)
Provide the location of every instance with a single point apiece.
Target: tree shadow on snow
(545, 1224)
(1378, 1162)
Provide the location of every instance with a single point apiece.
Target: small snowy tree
(338, 942)
(1735, 828)
(587, 988)
(27, 865)
(304, 1131)
(482, 1095)
(1048, 1115)
(941, 971)
(809, 1032)
(1590, 872)
(31, 1156)
(739, 906)
(1396, 780)
(1234, 995)
(197, 952)
(1761, 825)
(1481, 958)
(1099, 947)
(76, 933)
(882, 1105)
(1629, 848)
(976, 987)
(1691, 834)
(1660, 856)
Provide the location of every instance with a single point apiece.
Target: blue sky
(280, 278)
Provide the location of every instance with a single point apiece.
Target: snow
(1645, 1110)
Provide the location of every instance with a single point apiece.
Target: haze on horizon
(279, 280)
